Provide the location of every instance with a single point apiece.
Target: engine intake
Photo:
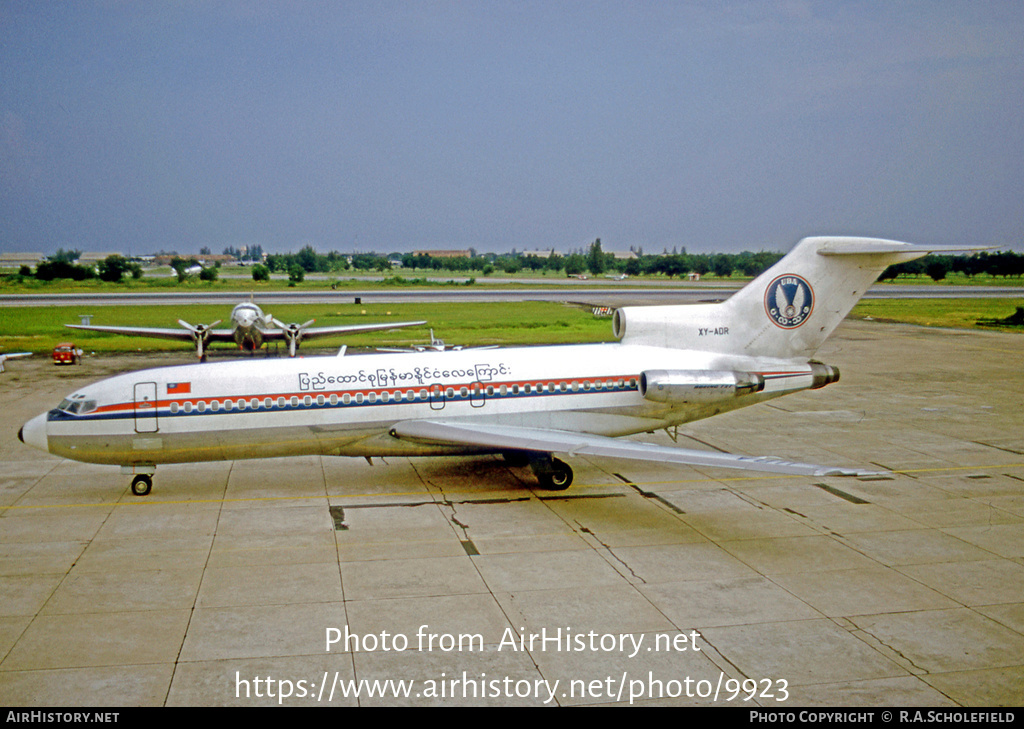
(697, 386)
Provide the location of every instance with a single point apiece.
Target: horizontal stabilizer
(869, 246)
(502, 438)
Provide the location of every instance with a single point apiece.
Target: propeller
(292, 333)
(200, 335)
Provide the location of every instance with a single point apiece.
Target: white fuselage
(346, 405)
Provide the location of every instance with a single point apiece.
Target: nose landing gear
(142, 484)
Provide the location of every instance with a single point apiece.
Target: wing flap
(499, 437)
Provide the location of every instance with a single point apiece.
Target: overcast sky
(389, 126)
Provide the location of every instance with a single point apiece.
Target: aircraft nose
(33, 433)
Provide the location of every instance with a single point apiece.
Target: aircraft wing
(12, 355)
(314, 332)
(499, 437)
(213, 335)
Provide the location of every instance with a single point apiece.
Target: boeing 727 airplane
(671, 365)
(250, 328)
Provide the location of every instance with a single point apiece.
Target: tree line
(62, 265)
(593, 260)
(1002, 263)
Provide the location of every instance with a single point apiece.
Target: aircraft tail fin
(788, 311)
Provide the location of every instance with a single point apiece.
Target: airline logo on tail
(788, 301)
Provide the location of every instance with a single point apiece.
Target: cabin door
(145, 408)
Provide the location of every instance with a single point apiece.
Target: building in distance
(445, 254)
(17, 260)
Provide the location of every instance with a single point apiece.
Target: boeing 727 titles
(671, 365)
(250, 328)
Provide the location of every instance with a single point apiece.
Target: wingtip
(855, 473)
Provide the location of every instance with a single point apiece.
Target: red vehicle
(67, 353)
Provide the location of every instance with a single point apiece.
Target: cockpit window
(77, 406)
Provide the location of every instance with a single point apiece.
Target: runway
(455, 581)
(594, 294)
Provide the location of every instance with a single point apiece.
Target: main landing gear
(552, 474)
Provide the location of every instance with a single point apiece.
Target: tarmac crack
(649, 494)
(1015, 451)
(609, 550)
(859, 632)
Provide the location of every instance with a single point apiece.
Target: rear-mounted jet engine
(697, 386)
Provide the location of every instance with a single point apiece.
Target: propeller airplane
(250, 328)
